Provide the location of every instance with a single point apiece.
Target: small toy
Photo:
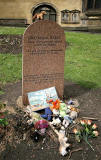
(70, 102)
(56, 121)
(48, 114)
(55, 105)
(73, 108)
(73, 114)
(68, 111)
(66, 123)
(55, 112)
(67, 120)
(34, 117)
(63, 142)
(62, 109)
(64, 145)
(73, 103)
(39, 15)
(41, 126)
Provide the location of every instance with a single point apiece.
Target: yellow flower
(94, 126)
(95, 133)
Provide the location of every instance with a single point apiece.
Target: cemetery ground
(82, 82)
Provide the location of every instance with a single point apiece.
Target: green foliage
(12, 30)
(2, 105)
(10, 68)
(3, 122)
(1, 89)
(83, 59)
(3, 118)
(1, 92)
(85, 130)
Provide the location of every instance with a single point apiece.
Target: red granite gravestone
(43, 58)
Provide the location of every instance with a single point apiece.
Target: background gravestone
(43, 57)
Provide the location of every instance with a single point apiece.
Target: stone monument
(43, 58)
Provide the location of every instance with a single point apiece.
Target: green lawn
(82, 60)
(12, 30)
(10, 68)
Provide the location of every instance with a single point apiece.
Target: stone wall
(13, 22)
(22, 9)
(20, 12)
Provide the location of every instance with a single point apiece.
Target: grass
(12, 30)
(1, 91)
(10, 68)
(82, 60)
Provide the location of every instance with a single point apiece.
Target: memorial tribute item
(39, 99)
(39, 15)
(43, 58)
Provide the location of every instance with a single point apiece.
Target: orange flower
(75, 131)
(89, 122)
(95, 133)
(94, 126)
(56, 104)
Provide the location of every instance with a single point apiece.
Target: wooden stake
(96, 119)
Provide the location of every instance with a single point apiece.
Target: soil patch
(11, 44)
(16, 147)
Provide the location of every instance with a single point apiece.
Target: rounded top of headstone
(45, 26)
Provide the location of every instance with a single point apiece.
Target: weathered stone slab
(43, 57)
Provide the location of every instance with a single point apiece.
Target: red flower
(2, 116)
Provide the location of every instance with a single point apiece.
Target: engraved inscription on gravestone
(43, 57)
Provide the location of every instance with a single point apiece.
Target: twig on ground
(52, 136)
(51, 147)
(73, 126)
(37, 148)
(96, 119)
(75, 150)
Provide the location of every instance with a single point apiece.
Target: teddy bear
(63, 142)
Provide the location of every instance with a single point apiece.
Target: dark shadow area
(11, 92)
(88, 84)
(74, 90)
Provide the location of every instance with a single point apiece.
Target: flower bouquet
(85, 130)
